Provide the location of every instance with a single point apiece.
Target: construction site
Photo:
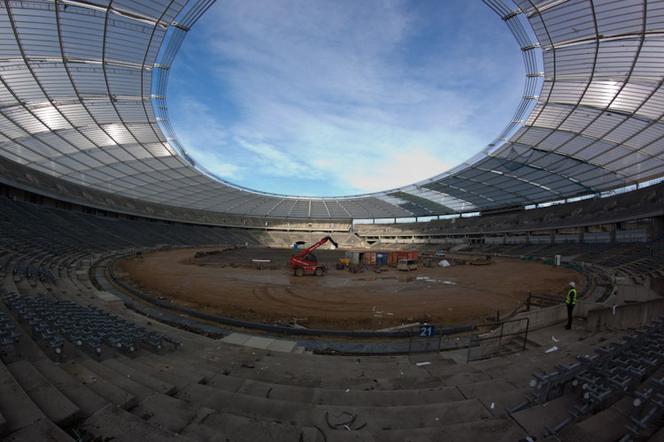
(354, 293)
(329, 221)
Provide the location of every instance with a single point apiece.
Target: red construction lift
(305, 262)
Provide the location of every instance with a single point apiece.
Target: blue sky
(342, 97)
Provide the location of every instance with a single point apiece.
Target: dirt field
(229, 284)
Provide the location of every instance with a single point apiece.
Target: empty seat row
(598, 380)
(88, 328)
(8, 334)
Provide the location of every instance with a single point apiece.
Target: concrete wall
(539, 318)
(624, 316)
(629, 292)
(596, 237)
(657, 286)
(566, 238)
(598, 316)
(658, 227)
(521, 239)
(539, 239)
(635, 235)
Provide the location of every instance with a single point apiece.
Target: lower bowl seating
(75, 366)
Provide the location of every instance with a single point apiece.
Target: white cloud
(223, 169)
(398, 168)
(329, 91)
(276, 162)
(201, 134)
(198, 126)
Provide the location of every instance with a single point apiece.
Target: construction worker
(570, 301)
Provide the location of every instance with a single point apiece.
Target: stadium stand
(631, 206)
(203, 389)
(635, 260)
(90, 169)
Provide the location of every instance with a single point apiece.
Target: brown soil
(228, 284)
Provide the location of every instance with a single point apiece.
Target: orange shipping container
(412, 255)
(369, 258)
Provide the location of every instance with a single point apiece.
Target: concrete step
(380, 398)
(536, 419)
(259, 342)
(16, 407)
(143, 378)
(496, 394)
(658, 436)
(498, 403)
(402, 417)
(42, 431)
(520, 375)
(495, 430)
(114, 423)
(85, 399)
(119, 379)
(274, 370)
(486, 387)
(375, 363)
(220, 427)
(3, 425)
(55, 405)
(226, 402)
(606, 426)
(163, 371)
(465, 377)
(230, 383)
(360, 397)
(318, 368)
(413, 416)
(178, 366)
(167, 412)
(247, 429)
(110, 392)
(569, 343)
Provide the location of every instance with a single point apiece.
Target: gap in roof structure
(335, 98)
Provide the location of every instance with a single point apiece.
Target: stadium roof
(82, 99)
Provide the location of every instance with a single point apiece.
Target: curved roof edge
(18, 177)
(516, 23)
(80, 103)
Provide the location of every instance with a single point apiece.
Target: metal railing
(482, 342)
(501, 338)
(542, 301)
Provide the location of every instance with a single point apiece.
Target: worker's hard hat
(572, 284)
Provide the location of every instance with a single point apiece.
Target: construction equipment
(305, 262)
(407, 265)
(343, 263)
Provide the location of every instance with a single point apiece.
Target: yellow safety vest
(571, 296)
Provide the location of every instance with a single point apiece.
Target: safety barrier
(482, 342)
(502, 338)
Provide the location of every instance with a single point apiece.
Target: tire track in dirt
(340, 299)
(312, 306)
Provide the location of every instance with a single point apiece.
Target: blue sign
(427, 330)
